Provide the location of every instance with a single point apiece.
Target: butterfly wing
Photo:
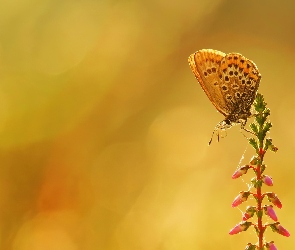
(230, 81)
(205, 65)
(241, 80)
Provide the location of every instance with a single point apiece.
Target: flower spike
(260, 129)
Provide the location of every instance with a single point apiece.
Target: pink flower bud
(243, 196)
(267, 180)
(249, 213)
(237, 229)
(277, 227)
(272, 197)
(283, 231)
(270, 246)
(268, 210)
(239, 172)
(246, 216)
(243, 226)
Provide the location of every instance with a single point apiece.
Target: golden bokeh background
(104, 128)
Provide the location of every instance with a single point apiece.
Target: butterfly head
(228, 122)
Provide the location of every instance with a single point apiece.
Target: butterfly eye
(228, 122)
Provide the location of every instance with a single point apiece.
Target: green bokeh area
(104, 129)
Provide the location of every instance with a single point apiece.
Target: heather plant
(254, 215)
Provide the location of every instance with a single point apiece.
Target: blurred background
(104, 129)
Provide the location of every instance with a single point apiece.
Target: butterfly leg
(243, 124)
(214, 131)
(221, 126)
(212, 137)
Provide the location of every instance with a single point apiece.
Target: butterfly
(230, 81)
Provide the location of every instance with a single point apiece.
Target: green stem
(259, 206)
(259, 192)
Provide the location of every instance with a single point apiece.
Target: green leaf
(267, 127)
(268, 143)
(253, 143)
(254, 128)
